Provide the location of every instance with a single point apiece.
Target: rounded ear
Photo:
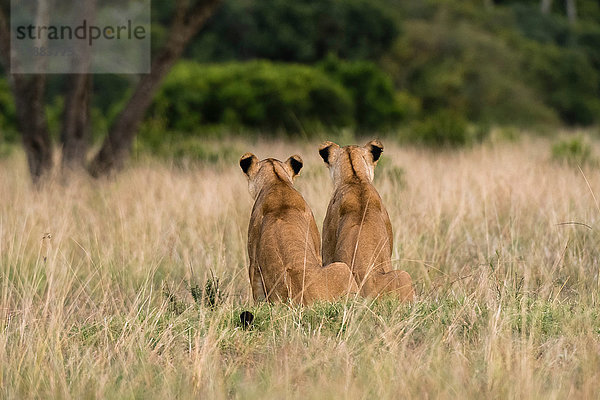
(325, 150)
(295, 163)
(375, 147)
(248, 163)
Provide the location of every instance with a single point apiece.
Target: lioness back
(283, 239)
(357, 228)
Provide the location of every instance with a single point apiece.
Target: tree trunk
(31, 119)
(75, 134)
(571, 11)
(28, 91)
(117, 146)
(545, 6)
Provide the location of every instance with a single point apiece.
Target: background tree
(29, 93)
(571, 7)
(75, 131)
(187, 21)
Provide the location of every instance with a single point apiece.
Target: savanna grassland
(132, 287)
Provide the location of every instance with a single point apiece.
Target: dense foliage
(278, 96)
(257, 94)
(508, 63)
(372, 65)
(489, 63)
(376, 105)
(296, 31)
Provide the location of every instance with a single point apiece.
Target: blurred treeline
(438, 67)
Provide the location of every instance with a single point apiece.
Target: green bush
(566, 79)
(256, 94)
(445, 128)
(574, 152)
(376, 104)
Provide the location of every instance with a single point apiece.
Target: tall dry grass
(96, 278)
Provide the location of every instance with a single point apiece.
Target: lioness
(357, 228)
(283, 239)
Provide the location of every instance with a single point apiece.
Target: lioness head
(261, 173)
(350, 162)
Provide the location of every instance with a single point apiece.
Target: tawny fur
(283, 239)
(357, 229)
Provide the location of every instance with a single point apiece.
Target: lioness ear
(295, 163)
(248, 163)
(375, 148)
(325, 150)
